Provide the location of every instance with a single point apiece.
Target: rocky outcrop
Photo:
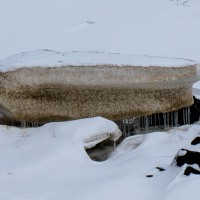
(40, 94)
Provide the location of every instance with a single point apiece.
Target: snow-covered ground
(49, 163)
(139, 27)
(196, 90)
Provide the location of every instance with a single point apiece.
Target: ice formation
(77, 85)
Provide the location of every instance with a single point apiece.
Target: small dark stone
(190, 170)
(160, 169)
(149, 176)
(196, 141)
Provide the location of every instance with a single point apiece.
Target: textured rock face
(45, 86)
(52, 94)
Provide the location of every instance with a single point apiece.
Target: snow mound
(50, 162)
(83, 133)
(49, 58)
(196, 90)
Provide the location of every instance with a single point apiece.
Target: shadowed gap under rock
(147, 124)
(160, 121)
(129, 127)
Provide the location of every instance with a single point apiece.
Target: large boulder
(45, 86)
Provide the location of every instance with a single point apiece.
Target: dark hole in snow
(149, 176)
(90, 22)
(101, 151)
(160, 169)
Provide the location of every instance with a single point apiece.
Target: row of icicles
(159, 121)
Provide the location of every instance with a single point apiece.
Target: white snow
(181, 152)
(196, 90)
(50, 162)
(47, 58)
(137, 27)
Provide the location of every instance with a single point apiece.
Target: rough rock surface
(41, 94)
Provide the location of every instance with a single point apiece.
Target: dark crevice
(101, 151)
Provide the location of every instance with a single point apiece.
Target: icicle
(146, 123)
(184, 117)
(188, 114)
(167, 120)
(23, 124)
(150, 120)
(124, 128)
(132, 126)
(164, 120)
(119, 125)
(135, 125)
(176, 119)
(142, 124)
(158, 119)
(139, 123)
(138, 126)
(172, 119)
(36, 124)
(137, 130)
(128, 133)
(114, 144)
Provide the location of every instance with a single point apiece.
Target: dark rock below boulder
(195, 141)
(185, 156)
(190, 170)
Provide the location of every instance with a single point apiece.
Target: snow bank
(196, 89)
(50, 162)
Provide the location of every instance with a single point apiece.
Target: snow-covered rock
(43, 86)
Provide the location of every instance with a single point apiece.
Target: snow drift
(50, 162)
